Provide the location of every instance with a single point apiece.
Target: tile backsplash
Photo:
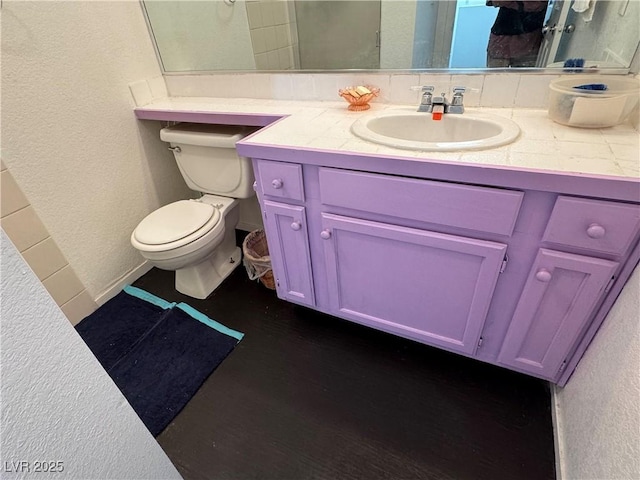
(489, 90)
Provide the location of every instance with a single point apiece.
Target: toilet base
(203, 264)
(199, 281)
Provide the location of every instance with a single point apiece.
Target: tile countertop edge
(207, 110)
(613, 187)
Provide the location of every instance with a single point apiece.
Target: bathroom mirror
(335, 35)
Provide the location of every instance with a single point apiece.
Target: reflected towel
(586, 7)
(580, 6)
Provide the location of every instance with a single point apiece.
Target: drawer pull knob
(325, 234)
(296, 226)
(543, 275)
(596, 231)
(277, 183)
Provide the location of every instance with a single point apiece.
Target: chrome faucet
(428, 101)
(441, 101)
(457, 105)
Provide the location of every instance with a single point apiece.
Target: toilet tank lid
(174, 221)
(204, 135)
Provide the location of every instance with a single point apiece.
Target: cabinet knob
(325, 234)
(296, 226)
(277, 183)
(596, 231)
(543, 275)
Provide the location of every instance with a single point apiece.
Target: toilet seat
(175, 225)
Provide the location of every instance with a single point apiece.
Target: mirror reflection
(292, 35)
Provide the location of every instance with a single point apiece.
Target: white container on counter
(577, 107)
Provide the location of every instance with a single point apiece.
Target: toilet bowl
(200, 245)
(196, 238)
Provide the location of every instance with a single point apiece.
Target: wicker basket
(256, 258)
(268, 281)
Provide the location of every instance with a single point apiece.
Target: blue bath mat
(158, 353)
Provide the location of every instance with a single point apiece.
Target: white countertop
(543, 145)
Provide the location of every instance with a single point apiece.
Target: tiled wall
(494, 90)
(23, 226)
(487, 90)
(273, 34)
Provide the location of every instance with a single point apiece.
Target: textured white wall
(599, 409)
(58, 403)
(69, 135)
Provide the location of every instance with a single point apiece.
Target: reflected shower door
(554, 24)
(325, 42)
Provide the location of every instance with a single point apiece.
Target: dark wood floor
(309, 396)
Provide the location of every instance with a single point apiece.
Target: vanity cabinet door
(560, 294)
(286, 228)
(431, 287)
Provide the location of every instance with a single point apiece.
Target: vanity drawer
(596, 225)
(482, 209)
(281, 180)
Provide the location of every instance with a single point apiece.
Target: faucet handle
(423, 88)
(457, 105)
(426, 97)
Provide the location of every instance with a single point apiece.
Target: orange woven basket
(357, 104)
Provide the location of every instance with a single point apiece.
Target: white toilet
(196, 238)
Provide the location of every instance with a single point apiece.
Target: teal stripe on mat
(149, 297)
(201, 317)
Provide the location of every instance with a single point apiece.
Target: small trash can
(256, 258)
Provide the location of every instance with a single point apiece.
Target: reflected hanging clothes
(516, 34)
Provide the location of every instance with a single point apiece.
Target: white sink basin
(411, 130)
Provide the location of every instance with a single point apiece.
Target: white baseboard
(119, 284)
(556, 421)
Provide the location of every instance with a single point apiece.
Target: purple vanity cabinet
(286, 228)
(423, 285)
(563, 290)
(518, 274)
(556, 305)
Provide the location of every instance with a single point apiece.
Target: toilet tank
(207, 158)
